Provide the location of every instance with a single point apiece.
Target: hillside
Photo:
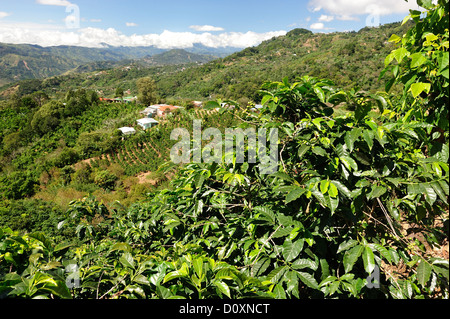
(176, 56)
(347, 58)
(24, 61)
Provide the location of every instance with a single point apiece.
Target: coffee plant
(358, 207)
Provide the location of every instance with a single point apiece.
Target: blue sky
(179, 23)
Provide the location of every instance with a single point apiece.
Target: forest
(357, 209)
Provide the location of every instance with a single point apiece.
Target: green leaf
(142, 280)
(279, 292)
(260, 266)
(320, 197)
(423, 272)
(351, 137)
(388, 60)
(320, 94)
(417, 59)
(305, 263)
(283, 176)
(267, 213)
(121, 246)
(368, 259)
(439, 191)
(41, 237)
(223, 287)
(291, 250)
(443, 60)
(400, 54)
(324, 184)
(282, 232)
(427, 4)
(418, 88)
(59, 289)
(275, 275)
(331, 203)
(381, 102)
(266, 98)
(342, 188)
(395, 38)
(163, 292)
(212, 105)
(174, 275)
(444, 186)
(308, 280)
(430, 195)
(294, 194)
(351, 256)
(127, 260)
(62, 223)
(333, 190)
(376, 192)
(197, 263)
(347, 245)
(383, 251)
(302, 150)
(63, 246)
(319, 151)
(349, 163)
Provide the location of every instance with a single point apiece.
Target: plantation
(357, 209)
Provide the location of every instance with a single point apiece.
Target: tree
(119, 93)
(147, 91)
(47, 117)
(76, 102)
(40, 97)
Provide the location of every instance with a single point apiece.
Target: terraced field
(148, 150)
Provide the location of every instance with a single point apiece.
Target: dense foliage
(355, 195)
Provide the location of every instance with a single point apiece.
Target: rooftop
(147, 121)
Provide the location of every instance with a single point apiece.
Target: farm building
(150, 111)
(165, 110)
(147, 123)
(161, 110)
(127, 130)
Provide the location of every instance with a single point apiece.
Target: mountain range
(347, 58)
(26, 61)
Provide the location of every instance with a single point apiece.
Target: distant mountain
(25, 61)
(176, 56)
(220, 52)
(349, 59)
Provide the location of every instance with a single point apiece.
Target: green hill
(24, 61)
(347, 58)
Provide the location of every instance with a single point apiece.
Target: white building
(147, 123)
(127, 130)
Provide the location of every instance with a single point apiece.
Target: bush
(105, 179)
(18, 185)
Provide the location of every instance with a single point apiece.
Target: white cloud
(317, 26)
(205, 28)
(4, 14)
(348, 9)
(325, 18)
(131, 24)
(62, 3)
(51, 35)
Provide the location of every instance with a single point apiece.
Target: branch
(387, 217)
